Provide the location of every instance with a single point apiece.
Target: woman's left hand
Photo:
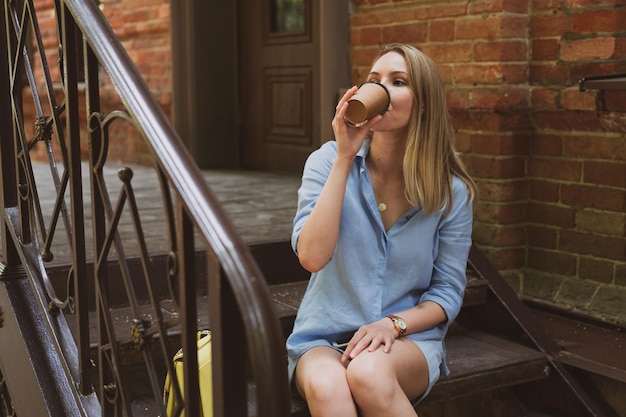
(370, 337)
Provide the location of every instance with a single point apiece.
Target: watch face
(401, 324)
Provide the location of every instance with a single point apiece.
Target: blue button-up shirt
(374, 272)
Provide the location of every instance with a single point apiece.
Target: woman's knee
(370, 377)
(321, 377)
(323, 388)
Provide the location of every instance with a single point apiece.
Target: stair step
(481, 362)
(478, 362)
(596, 347)
(286, 297)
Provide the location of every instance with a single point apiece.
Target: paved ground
(261, 205)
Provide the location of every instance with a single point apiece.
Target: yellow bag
(205, 376)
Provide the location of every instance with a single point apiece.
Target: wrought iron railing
(45, 339)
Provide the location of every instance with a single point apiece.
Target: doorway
(256, 82)
(293, 58)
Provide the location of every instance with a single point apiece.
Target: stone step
(478, 362)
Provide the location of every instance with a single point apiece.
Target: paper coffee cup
(371, 99)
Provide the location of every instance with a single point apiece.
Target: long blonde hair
(430, 158)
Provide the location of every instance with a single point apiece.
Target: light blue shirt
(374, 272)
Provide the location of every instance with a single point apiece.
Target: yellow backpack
(205, 375)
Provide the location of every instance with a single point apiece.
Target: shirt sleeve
(316, 171)
(452, 245)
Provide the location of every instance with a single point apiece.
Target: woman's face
(391, 71)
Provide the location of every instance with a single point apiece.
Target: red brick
(537, 5)
(501, 214)
(599, 21)
(376, 17)
(587, 49)
(494, 6)
(452, 52)
(548, 74)
(417, 32)
(492, 27)
(441, 31)
(589, 146)
(547, 119)
(556, 169)
(620, 49)
(584, 121)
(547, 145)
(588, 244)
(545, 191)
(574, 99)
(545, 49)
(615, 100)
(369, 36)
(447, 73)
(508, 258)
(541, 237)
(499, 98)
(490, 167)
(554, 24)
(552, 262)
(463, 142)
(403, 15)
(501, 236)
(592, 196)
(503, 191)
(551, 215)
(543, 98)
(364, 56)
(489, 121)
(613, 121)
(438, 10)
(577, 4)
(501, 51)
(457, 98)
(491, 74)
(500, 145)
(605, 173)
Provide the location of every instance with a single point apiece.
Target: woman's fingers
(370, 338)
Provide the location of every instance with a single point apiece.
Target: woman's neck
(386, 155)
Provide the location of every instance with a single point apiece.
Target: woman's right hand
(349, 138)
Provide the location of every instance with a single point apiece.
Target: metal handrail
(237, 293)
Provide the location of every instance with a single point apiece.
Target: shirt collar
(362, 154)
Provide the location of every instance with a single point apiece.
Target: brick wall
(143, 28)
(550, 160)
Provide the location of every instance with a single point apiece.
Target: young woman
(384, 224)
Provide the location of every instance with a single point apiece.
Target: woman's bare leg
(321, 380)
(382, 383)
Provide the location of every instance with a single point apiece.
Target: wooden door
(286, 94)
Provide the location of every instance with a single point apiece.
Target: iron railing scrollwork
(49, 109)
(6, 405)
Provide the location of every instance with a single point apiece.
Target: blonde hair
(430, 160)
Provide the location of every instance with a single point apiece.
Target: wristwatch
(398, 323)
